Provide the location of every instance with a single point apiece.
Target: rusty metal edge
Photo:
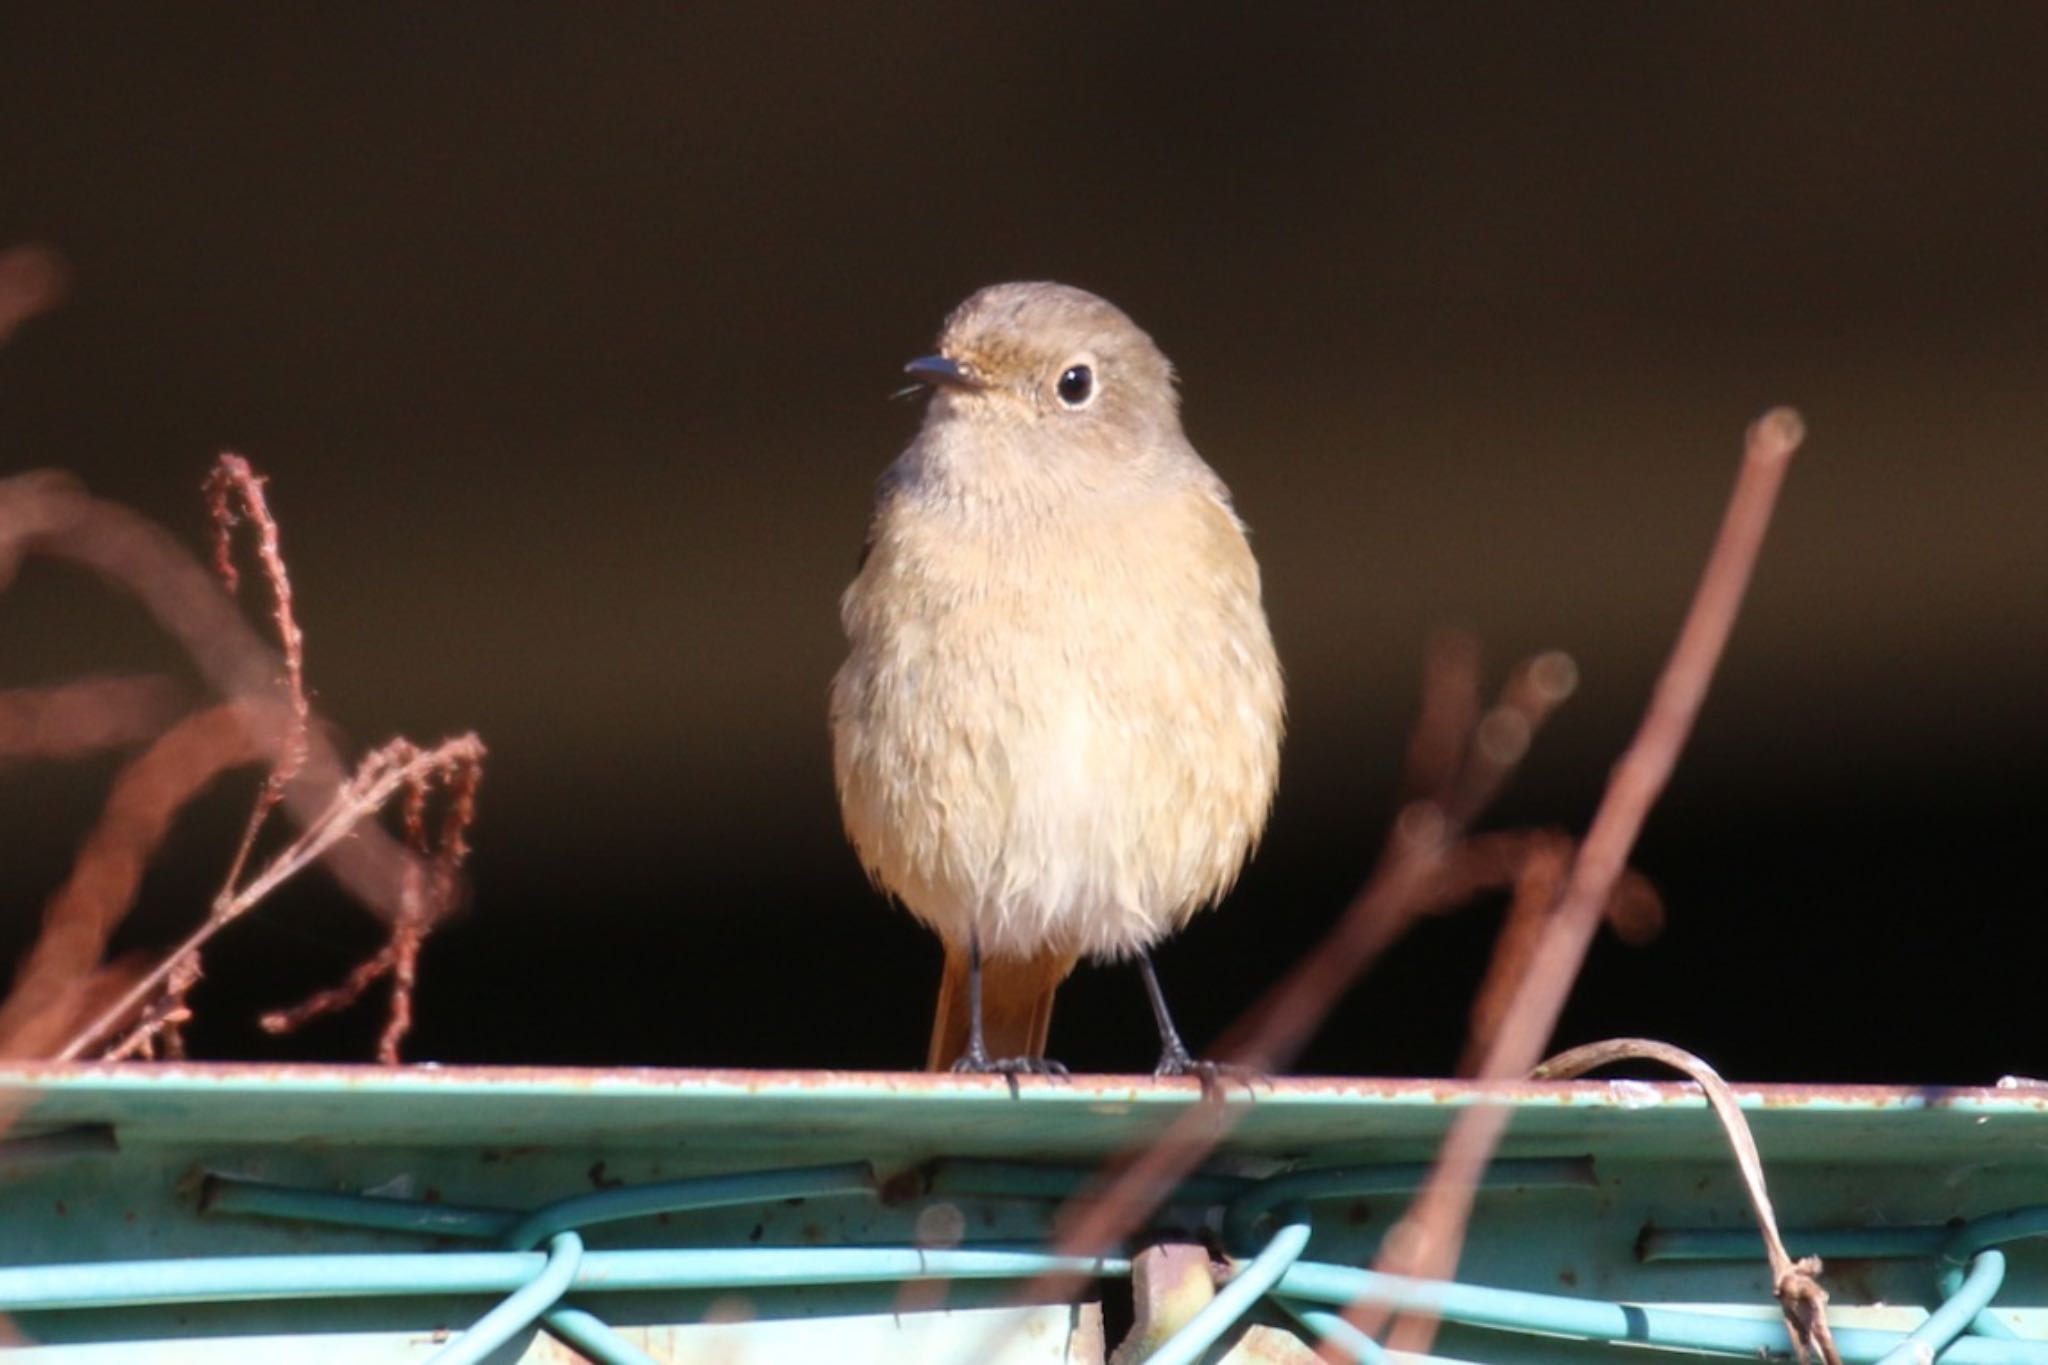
(128, 1076)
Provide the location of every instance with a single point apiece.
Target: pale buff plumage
(1059, 722)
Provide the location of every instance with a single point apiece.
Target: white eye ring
(1076, 387)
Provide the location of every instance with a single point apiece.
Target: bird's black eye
(1076, 386)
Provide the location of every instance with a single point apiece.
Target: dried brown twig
(1427, 1241)
(62, 975)
(396, 766)
(429, 897)
(49, 513)
(411, 889)
(73, 719)
(266, 716)
(1796, 1284)
(32, 281)
(1534, 863)
(1460, 758)
(233, 479)
(1457, 764)
(233, 482)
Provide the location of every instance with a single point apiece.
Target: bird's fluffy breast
(1065, 731)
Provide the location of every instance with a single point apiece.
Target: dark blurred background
(566, 335)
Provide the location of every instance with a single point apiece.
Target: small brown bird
(1058, 729)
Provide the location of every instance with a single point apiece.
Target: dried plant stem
(1419, 849)
(429, 895)
(411, 889)
(1430, 1237)
(1646, 767)
(1453, 769)
(1448, 716)
(1501, 739)
(233, 477)
(48, 513)
(1795, 1283)
(233, 481)
(405, 966)
(335, 998)
(1537, 884)
(381, 775)
(1534, 863)
(60, 971)
(78, 718)
(32, 281)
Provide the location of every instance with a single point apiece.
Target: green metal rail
(1288, 1221)
(536, 1282)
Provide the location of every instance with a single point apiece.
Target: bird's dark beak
(940, 373)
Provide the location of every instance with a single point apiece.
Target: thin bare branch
(232, 479)
(1429, 1239)
(335, 998)
(1502, 738)
(1450, 711)
(1535, 863)
(429, 899)
(382, 774)
(1420, 846)
(1415, 866)
(83, 914)
(1537, 883)
(1646, 767)
(32, 280)
(48, 513)
(234, 493)
(84, 717)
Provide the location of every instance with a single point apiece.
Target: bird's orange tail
(1016, 1005)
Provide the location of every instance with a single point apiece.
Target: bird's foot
(1178, 1061)
(985, 1065)
(976, 1062)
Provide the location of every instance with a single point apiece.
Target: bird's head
(1055, 362)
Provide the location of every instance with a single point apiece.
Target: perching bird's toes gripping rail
(227, 1214)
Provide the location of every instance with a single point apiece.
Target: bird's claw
(1213, 1075)
(1009, 1068)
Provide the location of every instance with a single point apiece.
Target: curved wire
(1518, 1310)
(578, 1326)
(1241, 1219)
(699, 1192)
(1954, 1314)
(1993, 1229)
(519, 1311)
(1235, 1299)
(1336, 1330)
(594, 1337)
(1972, 1271)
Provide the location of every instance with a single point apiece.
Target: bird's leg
(976, 1058)
(1174, 1057)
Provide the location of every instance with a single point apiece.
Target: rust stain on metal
(1848, 1279)
(1092, 1088)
